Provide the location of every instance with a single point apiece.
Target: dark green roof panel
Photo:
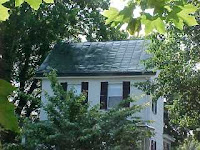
(97, 58)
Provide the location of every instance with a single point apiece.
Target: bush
(190, 143)
(74, 125)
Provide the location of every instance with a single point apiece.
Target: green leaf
(169, 9)
(172, 16)
(134, 26)
(4, 15)
(159, 25)
(18, 2)
(124, 14)
(148, 24)
(188, 19)
(189, 8)
(184, 14)
(7, 117)
(3, 1)
(178, 23)
(35, 4)
(152, 23)
(111, 14)
(49, 1)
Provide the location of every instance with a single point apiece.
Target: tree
(6, 110)
(190, 143)
(165, 12)
(28, 36)
(35, 4)
(74, 124)
(176, 56)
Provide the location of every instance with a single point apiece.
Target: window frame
(120, 84)
(154, 106)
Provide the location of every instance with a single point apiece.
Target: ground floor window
(153, 145)
(166, 146)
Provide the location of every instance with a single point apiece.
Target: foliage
(176, 12)
(176, 56)
(28, 36)
(190, 143)
(4, 11)
(73, 124)
(7, 117)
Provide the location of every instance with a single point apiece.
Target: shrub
(75, 125)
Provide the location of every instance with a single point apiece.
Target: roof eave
(134, 73)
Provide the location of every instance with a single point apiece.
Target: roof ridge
(67, 42)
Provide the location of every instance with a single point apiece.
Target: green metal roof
(97, 58)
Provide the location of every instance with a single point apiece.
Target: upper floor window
(114, 94)
(76, 88)
(64, 85)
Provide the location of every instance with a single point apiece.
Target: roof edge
(135, 73)
(168, 137)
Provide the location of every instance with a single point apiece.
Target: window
(114, 94)
(166, 146)
(154, 107)
(64, 85)
(84, 90)
(153, 145)
(76, 88)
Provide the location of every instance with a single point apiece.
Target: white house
(107, 71)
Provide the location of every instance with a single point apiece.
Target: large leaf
(152, 23)
(7, 117)
(159, 25)
(164, 12)
(189, 8)
(188, 19)
(184, 14)
(35, 4)
(111, 14)
(180, 14)
(18, 2)
(3, 1)
(134, 26)
(4, 15)
(3, 11)
(148, 24)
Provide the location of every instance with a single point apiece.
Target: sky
(119, 4)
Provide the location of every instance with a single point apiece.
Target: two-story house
(107, 71)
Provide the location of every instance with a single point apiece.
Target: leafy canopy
(176, 56)
(73, 124)
(4, 11)
(28, 36)
(176, 12)
(190, 143)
